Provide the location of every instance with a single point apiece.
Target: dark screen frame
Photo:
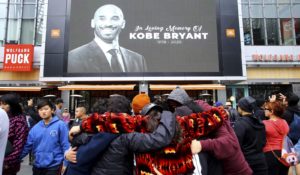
(56, 49)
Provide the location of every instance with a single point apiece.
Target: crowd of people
(176, 135)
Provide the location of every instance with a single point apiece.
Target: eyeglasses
(267, 109)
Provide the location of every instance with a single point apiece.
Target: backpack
(294, 133)
(288, 153)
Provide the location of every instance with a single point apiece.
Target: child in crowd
(48, 141)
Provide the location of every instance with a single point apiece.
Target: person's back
(233, 115)
(291, 114)
(18, 130)
(251, 134)
(118, 158)
(252, 137)
(4, 127)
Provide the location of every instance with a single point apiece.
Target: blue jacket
(48, 143)
(297, 149)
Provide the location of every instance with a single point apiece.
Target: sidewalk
(26, 169)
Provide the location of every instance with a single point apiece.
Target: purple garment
(224, 145)
(205, 106)
(18, 131)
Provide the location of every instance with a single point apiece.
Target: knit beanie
(179, 95)
(247, 104)
(139, 101)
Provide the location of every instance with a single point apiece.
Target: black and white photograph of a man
(103, 53)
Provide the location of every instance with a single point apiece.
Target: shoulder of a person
(17, 119)
(130, 52)
(80, 48)
(243, 122)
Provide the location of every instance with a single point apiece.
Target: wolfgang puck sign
(18, 58)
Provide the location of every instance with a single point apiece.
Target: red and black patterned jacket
(176, 158)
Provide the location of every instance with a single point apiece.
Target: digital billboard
(142, 38)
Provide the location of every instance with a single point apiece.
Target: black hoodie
(252, 138)
(288, 114)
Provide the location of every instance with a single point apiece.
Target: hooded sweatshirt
(251, 134)
(288, 114)
(179, 95)
(48, 143)
(224, 146)
(276, 130)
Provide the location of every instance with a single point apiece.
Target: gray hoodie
(179, 95)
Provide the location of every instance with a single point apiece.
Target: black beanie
(247, 104)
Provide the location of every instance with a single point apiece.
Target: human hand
(156, 170)
(196, 147)
(71, 155)
(272, 98)
(73, 131)
(30, 102)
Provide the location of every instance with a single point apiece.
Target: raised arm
(162, 136)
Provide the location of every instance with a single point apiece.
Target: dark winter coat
(288, 114)
(118, 158)
(251, 134)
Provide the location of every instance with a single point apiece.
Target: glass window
(296, 10)
(297, 30)
(2, 30)
(27, 32)
(284, 11)
(5, 1)
(258, 31)
(286, 29)
(247, 31)
(245, 11)
(296, 1)
(245, 1)
(13, 31)
(15, 11)
(270, 1)
(30, 1)
(270, 11)
(256, 1)
(256, 11)
(15, 1)
(283, 1)
(39, 32)
(3, 10)
(239, 93)
(228, 92)
(272, 31)
(29, 11)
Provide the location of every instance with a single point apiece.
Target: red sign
(18, 57)
(275, 58)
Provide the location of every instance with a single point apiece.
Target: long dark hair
(13, 100)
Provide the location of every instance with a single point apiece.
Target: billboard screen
(112, 38)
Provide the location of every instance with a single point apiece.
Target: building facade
(269, 32)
